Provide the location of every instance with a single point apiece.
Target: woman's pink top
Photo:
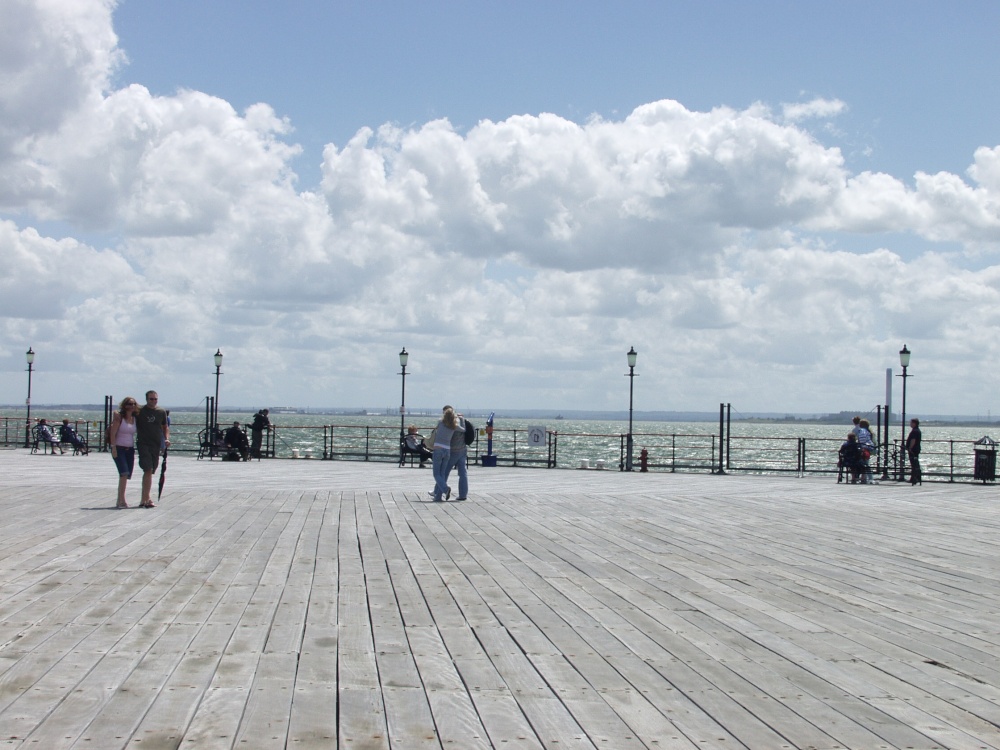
(126, 434)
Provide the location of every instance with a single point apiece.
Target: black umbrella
(163, 474)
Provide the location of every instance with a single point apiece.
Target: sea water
(569, 443)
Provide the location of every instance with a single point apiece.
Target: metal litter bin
(985, 468)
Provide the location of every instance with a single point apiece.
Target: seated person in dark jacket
(414, 443)
(237, 443)
(67, 434)
(850, 457)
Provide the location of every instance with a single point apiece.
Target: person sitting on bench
(45, 436)
(67, 434)
(237, 443)
(850, 457)
(414, 444)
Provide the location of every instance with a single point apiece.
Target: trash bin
(985, 468)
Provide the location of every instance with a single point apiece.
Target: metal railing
(941, 460)
(13, 431)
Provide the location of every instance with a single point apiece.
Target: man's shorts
(149, 456)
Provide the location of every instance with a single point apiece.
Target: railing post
(729, 431)
(885, 447)
(722, 437)
(109, 413)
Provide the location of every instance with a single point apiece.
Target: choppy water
(680, 446)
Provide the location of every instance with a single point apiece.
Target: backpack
(107, 430)
(470, 433)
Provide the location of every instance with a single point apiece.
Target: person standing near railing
(913, 451)
(260, 423)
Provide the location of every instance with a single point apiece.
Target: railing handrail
(950, 459)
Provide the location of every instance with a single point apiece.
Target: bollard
(644, 460)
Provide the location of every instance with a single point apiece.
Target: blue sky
(918, 76)
(766, 199)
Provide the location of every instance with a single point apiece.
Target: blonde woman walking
(121, 435)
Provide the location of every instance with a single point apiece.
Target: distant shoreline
(843, 417)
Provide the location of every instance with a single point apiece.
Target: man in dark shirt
(67, 434)
(152, 434)
(850, 457)
(913, 450)
(236, 441)
(257, 427)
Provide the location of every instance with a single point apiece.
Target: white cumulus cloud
(516, 259)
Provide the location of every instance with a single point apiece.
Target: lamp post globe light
(218, 372)
(29, 356)
(632, 356)
(403, 359)
(904, 362)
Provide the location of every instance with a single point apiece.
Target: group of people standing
(144, 430)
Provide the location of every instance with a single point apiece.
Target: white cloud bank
(516, 261)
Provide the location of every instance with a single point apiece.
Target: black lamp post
(30, 357)
(218, 372)
(904, 361)
(403, 359)
(632, 355)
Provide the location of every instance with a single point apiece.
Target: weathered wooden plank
(333, 604)
(217, 719)
(362, 718)
(313, 720)
(268, 707)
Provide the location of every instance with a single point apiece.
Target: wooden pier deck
(308, 604)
